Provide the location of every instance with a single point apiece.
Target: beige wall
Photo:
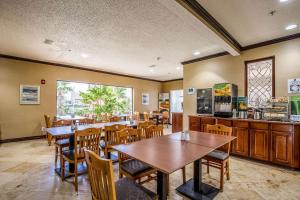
(172, 85)
(231, 69)
(26, 120)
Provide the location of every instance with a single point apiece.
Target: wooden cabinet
(282, 142)
(177, 121)
(204, 122)
(194, 123)
(240, 145)
(259, 144)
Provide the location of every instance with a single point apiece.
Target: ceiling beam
(231, 45)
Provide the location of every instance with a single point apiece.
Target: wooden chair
(219, 158)
(136, 116)
(61, 142)
(115, 119)
(102, 183)
(143, 126)
(129, 167)
(104, 117)
(48, 125)
(154, 131)
(165, 118)
(146, 116)
(110, 138)
(86, 121)
(87, 139)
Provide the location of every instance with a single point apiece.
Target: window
(260, 80)
(87, 99)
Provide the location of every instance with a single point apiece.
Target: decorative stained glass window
(260, 81)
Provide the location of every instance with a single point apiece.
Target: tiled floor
(26, 172)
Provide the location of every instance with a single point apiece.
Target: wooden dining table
(169, 153)
(63, 131)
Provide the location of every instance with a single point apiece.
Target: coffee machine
(204, 101)
(224, 95)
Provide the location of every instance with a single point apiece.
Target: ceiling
(127, 37)
(249, 21)
(118, 36)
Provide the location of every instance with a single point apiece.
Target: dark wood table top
(205, 139)
(163, 153)
(66, 130)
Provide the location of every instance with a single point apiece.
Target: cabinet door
(259, 141)
(282, 147)
(240, 145)
(194, 123)
(205, 121)
(176, 122)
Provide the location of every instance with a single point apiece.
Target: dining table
(64, 131)
(169, 153)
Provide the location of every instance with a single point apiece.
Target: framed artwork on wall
(145, 98)
(29, 94)
(294, 86)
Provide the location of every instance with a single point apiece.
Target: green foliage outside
(105, 99)
(63, 88)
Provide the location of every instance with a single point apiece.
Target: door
(176, 101)
(259, 141)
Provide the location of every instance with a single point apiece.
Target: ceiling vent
(47, 41)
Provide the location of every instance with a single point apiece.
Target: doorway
(176, 102)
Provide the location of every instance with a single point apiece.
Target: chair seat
(127, 189)
(218, 155)
(70, 154)
(63, 142)
(134, 167)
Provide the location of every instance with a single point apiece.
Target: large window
(260, 81)
(88, 99)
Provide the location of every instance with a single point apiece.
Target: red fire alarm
(43, 81)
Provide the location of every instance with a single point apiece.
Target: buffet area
(266, 130)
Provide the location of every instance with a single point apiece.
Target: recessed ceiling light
(291, 26)
(84, 55)
(151, 69)
(283, 0)
(178, 68)
(196, 53)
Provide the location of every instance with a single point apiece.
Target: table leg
(162, 185)
(195, 188)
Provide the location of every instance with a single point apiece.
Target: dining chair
(61, 142)
(102, 183)
(129, 167)
(104, 117)
(219, 158)
(115, 119)
(86, 121)
(87, 139)
(110, 138)
(143, 126)
(136, 116)
(48, 125)
(146, 116)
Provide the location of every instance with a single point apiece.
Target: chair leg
(56, 156)
(76, 178)
(49, 138)
(227, 170)
(222, 176)
(183, 175)
(62, 170)
(207, 166)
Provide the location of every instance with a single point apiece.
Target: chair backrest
(136, 116)
(47, 121)
(115, 119)
(220, 130)
(143, 126)
(86, 121)
(101, 177)
(61, 122)
(87, 139)
(154, 131)
(111, 136)
(104, 117)
(146, 116)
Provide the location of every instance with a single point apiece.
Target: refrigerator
(204, 101)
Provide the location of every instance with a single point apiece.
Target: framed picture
(145, 98)
(294, 86)
(29, 94)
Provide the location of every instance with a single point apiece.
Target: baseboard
(22, 139)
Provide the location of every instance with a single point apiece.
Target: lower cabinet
(194, 123)
(259, 144)
(282, 147)
(240, 145)
(177, 121)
